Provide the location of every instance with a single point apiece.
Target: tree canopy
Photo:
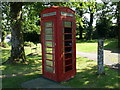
(22, 20)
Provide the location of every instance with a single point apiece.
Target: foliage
(5, 54)
(28, 43)
(103, 27)
(5, 6)
(4, 44)
(32, 37)
(31, 15)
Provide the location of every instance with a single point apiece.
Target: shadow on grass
(34, 64)
(15, 82)
(87, 41)
(112, 46)
(86, 76)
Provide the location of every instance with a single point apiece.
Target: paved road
(109, 57)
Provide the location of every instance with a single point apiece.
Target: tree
(118, 23)
(91, 8)
(80, 13)
(17, 51)
(5, 22)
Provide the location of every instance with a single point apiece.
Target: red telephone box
(58, 43)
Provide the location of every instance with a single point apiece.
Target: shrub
(28, 44)
(4, 44)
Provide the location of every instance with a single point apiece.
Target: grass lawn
(85, 78)
(30, 71)
(90, 46)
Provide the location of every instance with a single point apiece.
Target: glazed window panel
(67, 24)
(49, 56)
(49, 14)
(49, 50)
(49, 63)
(48, 37)
(48, 24)
(49, 44)
(48, 31)
(49, 69)
(67, 14)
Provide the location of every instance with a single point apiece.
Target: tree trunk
(90, 29)
(80, 27)
(17, 51)
(81, 32)
(118, 23)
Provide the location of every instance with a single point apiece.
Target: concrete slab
(42, 83)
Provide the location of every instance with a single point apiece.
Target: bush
(4, 44)
(32, 37)
(28, 44)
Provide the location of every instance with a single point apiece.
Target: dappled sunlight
(34, 64)
(5, 55)
(86, 82)
(86, 76)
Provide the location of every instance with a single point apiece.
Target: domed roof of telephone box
(57, 8)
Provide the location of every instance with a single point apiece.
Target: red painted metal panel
(56, 15)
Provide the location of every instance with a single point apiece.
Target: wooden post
(100, 57)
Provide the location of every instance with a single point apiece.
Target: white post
(100, 56)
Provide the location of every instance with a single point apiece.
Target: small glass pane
(67, 14)
(48, 69)
(48, 37)
(49, 56)
(48, 31)
(48, 24)
(49, 50)
(49, 63)
(67, 24)
(49, 14)
(49, 44)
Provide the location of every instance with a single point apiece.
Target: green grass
(111, 45)
(86, 70)
(34, 64)
(15, 82)
(30, 71)
(86, 76)
(6, 52)
(91, 45)
(86, 47)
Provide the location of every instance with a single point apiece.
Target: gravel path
(109, 58)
